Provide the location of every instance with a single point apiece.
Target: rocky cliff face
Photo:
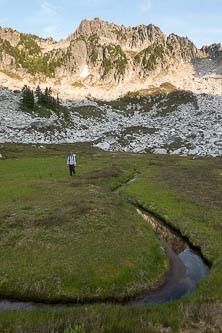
(116, 53)
(98, 57)
(136, 38)
(214, 50)
(111, 52)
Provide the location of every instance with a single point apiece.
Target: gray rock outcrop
(214, 50)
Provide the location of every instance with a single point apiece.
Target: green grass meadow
(72, 239)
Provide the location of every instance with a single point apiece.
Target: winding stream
(187, 268)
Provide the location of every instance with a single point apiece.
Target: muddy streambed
(187, 268)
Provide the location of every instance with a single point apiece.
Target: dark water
(187, 268)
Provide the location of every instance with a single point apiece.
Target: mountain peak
(97, 55)
(213, 50)
(129, 38)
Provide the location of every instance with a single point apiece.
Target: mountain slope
(176, 122)
(99, 59)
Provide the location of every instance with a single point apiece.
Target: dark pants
(72, 169)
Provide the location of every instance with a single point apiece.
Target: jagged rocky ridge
(214, 50)
(179, 122)
(98, 59)
(110, 51)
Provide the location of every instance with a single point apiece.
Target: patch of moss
(141, 129)
(10, 74)
(168, 86)
(77, 84)
(131, 97)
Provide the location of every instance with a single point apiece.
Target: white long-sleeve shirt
(71, 160)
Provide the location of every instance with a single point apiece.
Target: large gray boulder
(42, 124)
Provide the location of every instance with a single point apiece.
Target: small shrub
(78, 84)
(27, 207)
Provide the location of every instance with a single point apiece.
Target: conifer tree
(38, 94)
(46, 99)
(28, 98)
(57, 100)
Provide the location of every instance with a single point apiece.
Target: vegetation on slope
(28, 54)
(116, 58)
(149, 56)
(42, 103)
(93, 42)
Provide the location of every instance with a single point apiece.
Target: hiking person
(71, 162)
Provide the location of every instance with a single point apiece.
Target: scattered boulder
(160, 151)
(3, 98)
(110, 139)
(175, 138)
(42, 124)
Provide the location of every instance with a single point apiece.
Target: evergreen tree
(28, 98)
(46, 99)
(57, 100)
(46, 94)
(38, 94)
(50, 92)
(52, 101)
